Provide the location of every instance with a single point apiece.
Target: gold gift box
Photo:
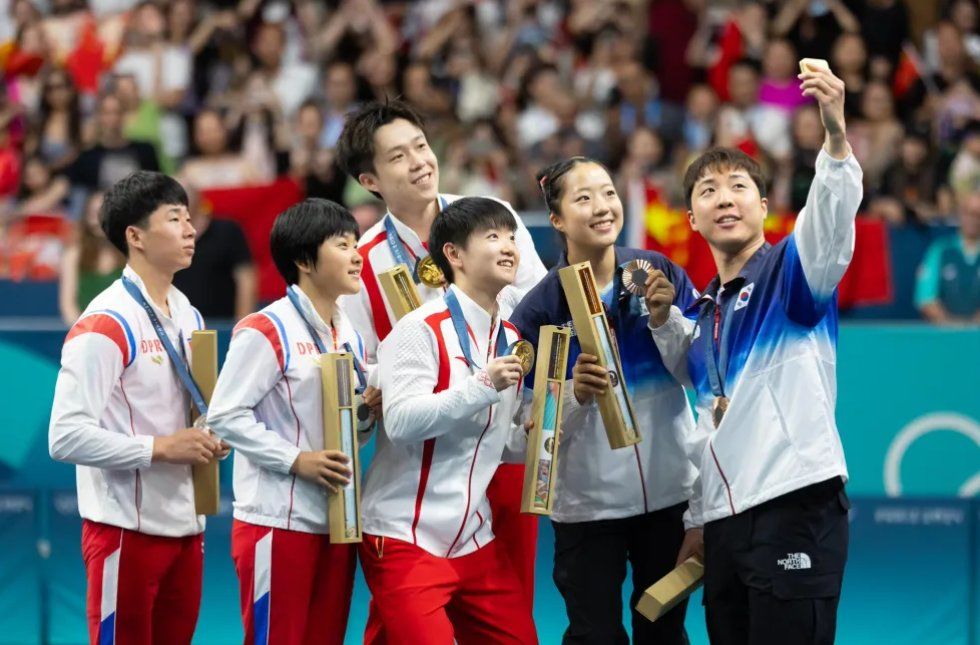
(666, 593)
(541, 463)
(340, 433)
(204, 370)
(399, 290)
(596, 338)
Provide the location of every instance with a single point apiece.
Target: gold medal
(430, 274)
(635, 275)
(523, 350)
(718, 409)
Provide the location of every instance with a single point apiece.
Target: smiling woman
(625, 504)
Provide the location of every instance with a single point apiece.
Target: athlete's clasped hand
(504, 371)
(188, 446)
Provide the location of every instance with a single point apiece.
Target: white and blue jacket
(777, 348)
(594, 481)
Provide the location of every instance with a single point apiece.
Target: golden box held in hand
(204, 370)
(340, 433)
(595, 337)
(541, 463)
(400, 290)
(666, 593)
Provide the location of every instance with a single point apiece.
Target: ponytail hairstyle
(551, 180)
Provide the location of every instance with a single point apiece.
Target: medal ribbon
(397, 247)
(179, 362)
(361, 379)
(459, 324)
(716, 350)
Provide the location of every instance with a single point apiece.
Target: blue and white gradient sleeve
(822, 243)
(673, 339)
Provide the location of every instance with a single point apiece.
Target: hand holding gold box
(541, 463)
(595, 337)
(204, 370)
(340, 433)
(399, 290)
(666, 593)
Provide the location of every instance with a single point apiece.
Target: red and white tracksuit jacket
(115, 392)
(368, 310)
(446, 430)
(267, 404)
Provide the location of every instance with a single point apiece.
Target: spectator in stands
(89, 263)
(57, 135)
(477, 164)
(947, 289)
(884, 27)
(875, 138)
(340, 98)
(964, 173)
(808, 135)
(779, 95)
(276, 84)
(40, 192)
(113, 156)
(965, 15)
(908, 191)
(849, 61)
(313, 165)
(950, 94)
(741, 121)
(221, 281)
(637, 103)
(367, 214)
(162, 72)
(813, 27)
(699, 119)
(215, 165)
(142, 118)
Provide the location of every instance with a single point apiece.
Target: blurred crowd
(225, 93)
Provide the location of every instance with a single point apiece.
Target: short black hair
(355, 147)
(717, 159)
(299, 231)
(461, 219)
(131, 201)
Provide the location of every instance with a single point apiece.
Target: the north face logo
(794, 561)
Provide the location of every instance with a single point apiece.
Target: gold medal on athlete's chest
(523, 350)
(429, 274)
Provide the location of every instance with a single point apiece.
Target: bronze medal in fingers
(635, 275)
(718, 409)
(429, 274)
(523, 350)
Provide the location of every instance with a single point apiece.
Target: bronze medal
(635, 275)
(718, 409)
(524, 351)
(429, 274)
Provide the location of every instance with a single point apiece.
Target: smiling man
(120, 414)
(452, 391)
(759, 348)
(383, 146)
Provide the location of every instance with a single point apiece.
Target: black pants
(590, 567)
(773, 573)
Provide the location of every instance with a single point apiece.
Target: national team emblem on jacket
(743, 296)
